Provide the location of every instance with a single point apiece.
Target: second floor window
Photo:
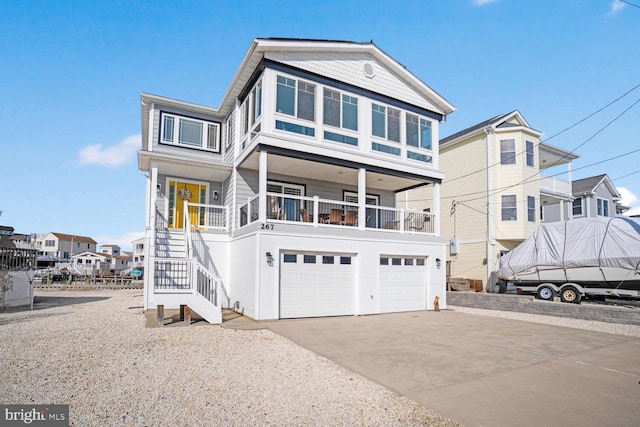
(507, 151)
(509, 208)
(529, 148)
(418, 132)
(340, 110)
(301, 106)
(190, 132)
(49, 243)
(385, 122)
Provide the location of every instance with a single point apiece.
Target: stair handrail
(187, 232)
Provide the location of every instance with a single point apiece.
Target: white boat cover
(582, 242)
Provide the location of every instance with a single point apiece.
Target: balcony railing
(208, 217)
(314, 211)
(553, 185)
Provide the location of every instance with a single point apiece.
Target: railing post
(316, 207)
(402, 219)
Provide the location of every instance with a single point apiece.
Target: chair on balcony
(274, 209)
(335, 216)
(351, 218)
(304, 215)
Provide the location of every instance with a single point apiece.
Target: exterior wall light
(216, 196)
(269, 259)
(438, 262)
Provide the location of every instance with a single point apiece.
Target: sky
(71, 75)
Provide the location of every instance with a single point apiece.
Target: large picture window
(190, 132)
(507, 151)
(509, 208)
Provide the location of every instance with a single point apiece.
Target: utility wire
(629, 3)
(554, 135)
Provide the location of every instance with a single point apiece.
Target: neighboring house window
(603, 207)
(418, 132)
(190, 132)
(509, 208)
(340, 110)
(385, 122)
(531, 208)
(49, 243)
(541, 213)
(65, 255)
(577, 206)
(529, 147)
(286, 98)
(508, 151)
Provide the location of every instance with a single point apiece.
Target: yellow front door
(178, 193)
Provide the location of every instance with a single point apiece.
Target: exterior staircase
(180, 279)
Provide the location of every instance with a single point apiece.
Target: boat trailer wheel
(545, 293)
(571, 295)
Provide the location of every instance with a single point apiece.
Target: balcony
(551, 185)
(317, 212)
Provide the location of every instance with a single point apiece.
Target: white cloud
(483, 2)
(124, 240)
(111, 156)
(616, 7)
(628, 198)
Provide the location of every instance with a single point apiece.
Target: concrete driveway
(485, 371)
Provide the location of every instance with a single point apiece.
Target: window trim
(175, 134)
(344, 98)
(296, 97)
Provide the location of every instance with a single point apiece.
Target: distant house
(137, 254)
(595, 196)
(92, 263)
(6, 230)
(119, 259)
(60, 247)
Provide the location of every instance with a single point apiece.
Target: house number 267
(267, 227)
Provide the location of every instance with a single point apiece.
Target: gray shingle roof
(473, 128)
(585, 185)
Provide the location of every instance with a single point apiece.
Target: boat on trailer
(597, 257)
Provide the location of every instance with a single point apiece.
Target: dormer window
(190, 132)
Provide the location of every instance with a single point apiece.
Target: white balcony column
(262, 187)
(362, 198)
(152, 200)
(436, 208)
(561, 210)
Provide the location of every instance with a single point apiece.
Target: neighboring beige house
(59, 247)
(493, 190)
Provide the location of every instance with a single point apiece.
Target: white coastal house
(281, 202)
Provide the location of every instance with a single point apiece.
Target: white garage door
(316, 285)
(403, 284)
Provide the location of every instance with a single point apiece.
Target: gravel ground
(91, 350)
(610, 328)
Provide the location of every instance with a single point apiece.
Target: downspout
(489, 131)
